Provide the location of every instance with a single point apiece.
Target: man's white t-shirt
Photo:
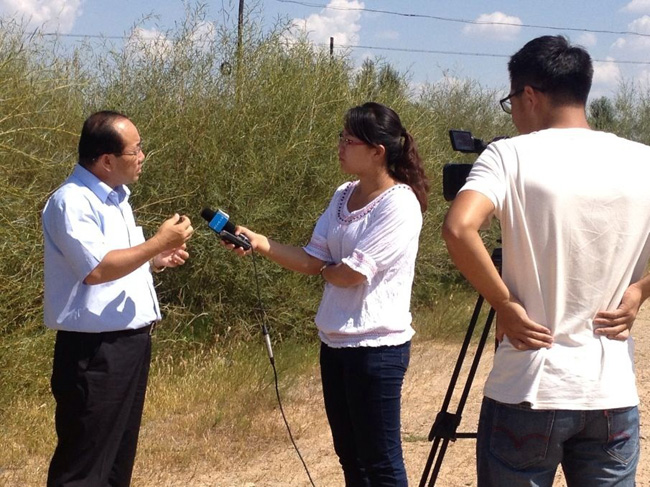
(574, 208)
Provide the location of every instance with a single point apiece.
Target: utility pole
(240, 25)
(240, 51)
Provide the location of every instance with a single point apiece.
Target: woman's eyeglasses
(343, 140)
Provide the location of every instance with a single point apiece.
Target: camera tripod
(444, 427)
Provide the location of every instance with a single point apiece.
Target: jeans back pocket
(520, 435)
(623, 433)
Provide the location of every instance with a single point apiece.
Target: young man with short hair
(574, 209)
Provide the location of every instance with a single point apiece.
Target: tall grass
(253, 132)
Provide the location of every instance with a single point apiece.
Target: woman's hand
(259, 242)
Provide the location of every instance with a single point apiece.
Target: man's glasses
(506, 103)
(135, 152)
(343, 140)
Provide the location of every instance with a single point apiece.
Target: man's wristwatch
(154, 267)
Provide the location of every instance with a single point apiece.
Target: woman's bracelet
(154, 267)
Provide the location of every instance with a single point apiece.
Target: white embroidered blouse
(379, 241)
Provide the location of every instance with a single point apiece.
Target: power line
(374, 48)
(425, 51)
(475, 54)
(82, 36)
(465, 21)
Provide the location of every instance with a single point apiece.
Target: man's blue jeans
(518, 446)
(362, 389)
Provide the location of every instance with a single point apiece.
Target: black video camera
(454, 175)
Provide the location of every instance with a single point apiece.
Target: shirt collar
(97, 186)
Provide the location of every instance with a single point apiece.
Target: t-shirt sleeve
(75, 231)
(488, 175)
(317, 246)
(395, 222)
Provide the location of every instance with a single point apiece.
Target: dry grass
(205, 405)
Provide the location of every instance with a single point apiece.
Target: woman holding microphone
(364, 247)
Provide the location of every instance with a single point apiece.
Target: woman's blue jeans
(519, 447)
(362, 388)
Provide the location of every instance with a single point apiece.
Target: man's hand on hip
(523, 333)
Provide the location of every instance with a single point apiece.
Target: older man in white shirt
(100, 297)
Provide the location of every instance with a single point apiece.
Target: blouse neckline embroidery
(361, 212)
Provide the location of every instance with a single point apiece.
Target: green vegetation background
(252, 131)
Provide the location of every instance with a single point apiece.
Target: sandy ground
(425, 387)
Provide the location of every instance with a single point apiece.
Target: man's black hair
(552, 65)
(98, 137)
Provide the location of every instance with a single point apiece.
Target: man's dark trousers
(99, 382)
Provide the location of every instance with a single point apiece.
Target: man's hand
(523, 333)
(171, 258)
(174, 232)
(169, 241)
(616, 325)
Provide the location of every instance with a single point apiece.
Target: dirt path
(424, 390)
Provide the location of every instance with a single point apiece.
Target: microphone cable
(269, 350)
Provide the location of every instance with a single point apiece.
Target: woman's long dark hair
(376, 124)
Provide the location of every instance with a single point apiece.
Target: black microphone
(219, 221)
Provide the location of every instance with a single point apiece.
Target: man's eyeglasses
(343, 140)
(135, 152)
(506, 103)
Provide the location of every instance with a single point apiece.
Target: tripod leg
(434, 433)
(475, 362)
(442, 430)
(430, 459)
(436, 468)
(461, 358)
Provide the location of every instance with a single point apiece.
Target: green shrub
(251, 131)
